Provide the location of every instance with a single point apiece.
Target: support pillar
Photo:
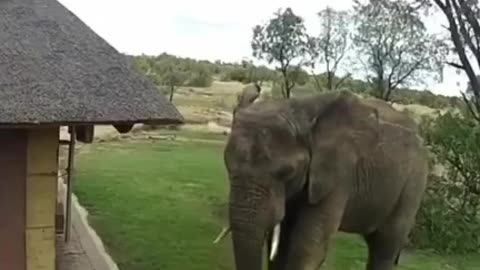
(28, 195)
(13, 173)
(41, 198)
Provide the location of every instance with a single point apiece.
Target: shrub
(200, 77)
(449, 220)
(238, 74)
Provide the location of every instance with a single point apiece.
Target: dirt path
(84, 251)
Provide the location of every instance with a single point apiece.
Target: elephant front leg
(383, 251)
(311, 234)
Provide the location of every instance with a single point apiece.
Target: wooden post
(71, 157)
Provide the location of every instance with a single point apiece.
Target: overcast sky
(207, 29)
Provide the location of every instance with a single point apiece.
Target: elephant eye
(283, 172)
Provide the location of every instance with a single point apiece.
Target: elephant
(302, 169)
(391, 115)
(248, 95)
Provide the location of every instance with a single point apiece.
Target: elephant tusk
(222, 234)
(275, 242)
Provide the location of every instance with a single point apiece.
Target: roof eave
(158, 122)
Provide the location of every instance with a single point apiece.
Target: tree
(261, 74)
(145, 64)
(256, 75)
(331, 45)
(449, 219)
(172, 77)
(199, 75)
(282, 40)
(393, 45)
(464, 28)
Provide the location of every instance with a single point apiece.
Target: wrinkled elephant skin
(310, 167)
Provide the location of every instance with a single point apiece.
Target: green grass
(158, 206)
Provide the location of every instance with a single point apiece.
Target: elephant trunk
(247, 250)
(249, 222)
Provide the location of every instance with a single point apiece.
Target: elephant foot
(383, 251)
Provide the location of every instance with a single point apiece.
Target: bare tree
(331, 44)
(393, 45)
(464, 28)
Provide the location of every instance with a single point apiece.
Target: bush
(200, 79)
(238, 74)
(449, 220)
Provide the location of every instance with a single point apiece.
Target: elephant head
(248, 95)
(278, 149)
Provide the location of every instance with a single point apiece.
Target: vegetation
(394, 46)
(464, 27)
(171, 216)
(331, 45)
(245, 72)
(395, 50)
(449, 220)
(283, 41)
(169, 72)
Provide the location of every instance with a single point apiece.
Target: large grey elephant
(302, 169)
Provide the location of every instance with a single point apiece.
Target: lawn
(159, 205)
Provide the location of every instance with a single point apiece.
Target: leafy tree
(173, 77)
(261, 74)
(200, 76)
(394, 46)
(297, 75)
(331, 45)
(449, 219)
(239, 74)
(282, 40)
(145, 64)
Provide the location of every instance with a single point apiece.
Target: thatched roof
(55, 70)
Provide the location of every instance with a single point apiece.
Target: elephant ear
(343, 132)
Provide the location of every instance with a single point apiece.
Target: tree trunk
(388, 93)
(329, 81)
(172, 90)
(286, 83)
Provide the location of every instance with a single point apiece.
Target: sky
(207, 29)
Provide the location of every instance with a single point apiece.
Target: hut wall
(13, 166)
(41, 198)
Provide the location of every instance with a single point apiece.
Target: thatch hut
(55, 71)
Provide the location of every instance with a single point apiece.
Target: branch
(326, 53)
(342, 80)
(340, 57)
(394, 67)
(404, 77)
(440, 4)
(458, 164)
(455, 65)
(470, 17)
(464, 32)
(317, 81)
(447, 10)
(366, 69)
(470, 108)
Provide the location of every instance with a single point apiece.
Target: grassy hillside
(215, 103)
